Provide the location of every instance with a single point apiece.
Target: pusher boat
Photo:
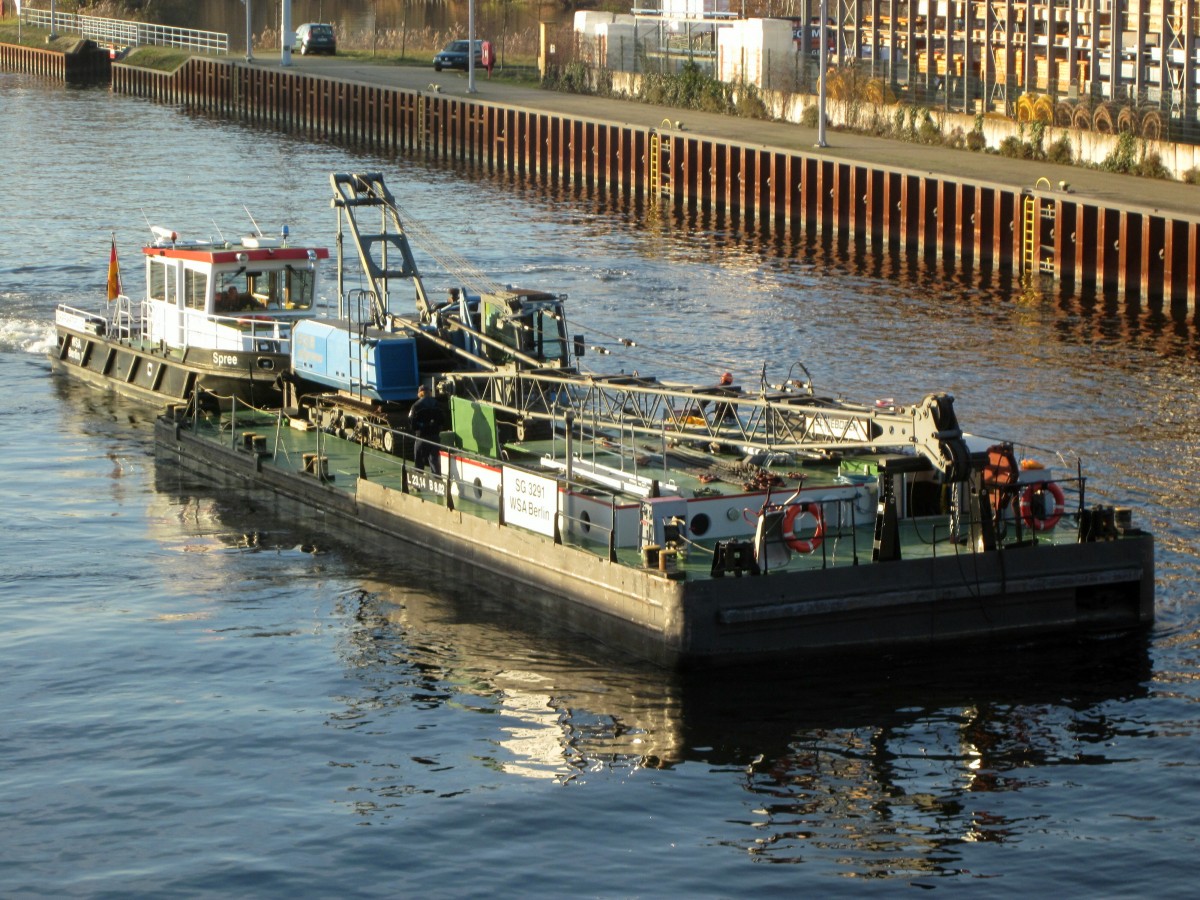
(216, 318)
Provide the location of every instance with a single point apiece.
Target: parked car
(315, 37)
(454, 56)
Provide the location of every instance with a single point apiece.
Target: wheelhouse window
(162, 284)
(288, 289)
(294, 287)
(549, 340)
(195, 288)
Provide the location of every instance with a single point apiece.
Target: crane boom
(781, 421)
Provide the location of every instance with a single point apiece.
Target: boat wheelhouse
(216, 317)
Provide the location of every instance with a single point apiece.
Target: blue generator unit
(379, 365)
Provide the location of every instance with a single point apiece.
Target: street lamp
(470, 46)
(285, 34)
(249, 33)
(822, 75)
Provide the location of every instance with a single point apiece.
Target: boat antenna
(149, 227)
(220, 232)
(252, 222)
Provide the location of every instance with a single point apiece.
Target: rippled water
(207, 692)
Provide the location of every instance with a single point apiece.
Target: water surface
(208, 693)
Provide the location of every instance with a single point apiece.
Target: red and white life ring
(794, 512)
(1033, 519)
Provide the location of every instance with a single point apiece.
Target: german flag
(114, 273)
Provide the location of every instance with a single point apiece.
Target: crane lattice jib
(770, 422)
(355, 192)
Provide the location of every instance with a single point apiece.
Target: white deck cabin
(241, 296)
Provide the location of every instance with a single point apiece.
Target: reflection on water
(676, 234)
(889, 763)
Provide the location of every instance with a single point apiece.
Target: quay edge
(974, 211)
(1003, 595)
(941, 208)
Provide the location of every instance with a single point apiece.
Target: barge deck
(707, 603)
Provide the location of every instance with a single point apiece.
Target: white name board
(530, 501)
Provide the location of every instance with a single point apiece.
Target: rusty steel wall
(1141, 256)
(88, 65)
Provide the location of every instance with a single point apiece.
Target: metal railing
(126, 33)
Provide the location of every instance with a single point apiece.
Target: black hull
(158, 377)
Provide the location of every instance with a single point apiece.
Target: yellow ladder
(420, 123)
(655, 164)
(659, 169)
(1029, 235)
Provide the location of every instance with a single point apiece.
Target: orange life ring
(1032, 519)
(789, 520)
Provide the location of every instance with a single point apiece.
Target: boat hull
(151, 375)
(905, 604)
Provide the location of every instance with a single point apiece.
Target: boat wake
(27, 335)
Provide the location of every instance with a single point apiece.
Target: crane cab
(531, 323)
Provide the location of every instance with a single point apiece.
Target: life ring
(1032, 519)
(789, 535)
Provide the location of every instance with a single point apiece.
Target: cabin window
(162, 284)
(235, 293)
(550, 342)
(287, 289)
(498, 326)
(294, 287)
(195, 288)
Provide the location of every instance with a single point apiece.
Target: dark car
(315, 37)
(455, 56)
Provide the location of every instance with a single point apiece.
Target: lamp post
(249, 33)
(285, 34)
(470, 46)
(824, 57)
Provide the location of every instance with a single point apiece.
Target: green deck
(284, 447)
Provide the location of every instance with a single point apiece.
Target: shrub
(975, 140)
(1013, 147)
(748, 103)
(929, 132)
(1061, 151)
(1192, 176)
(1152, 166)
(1124, 156)
(571, 78)
(1037, 135)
